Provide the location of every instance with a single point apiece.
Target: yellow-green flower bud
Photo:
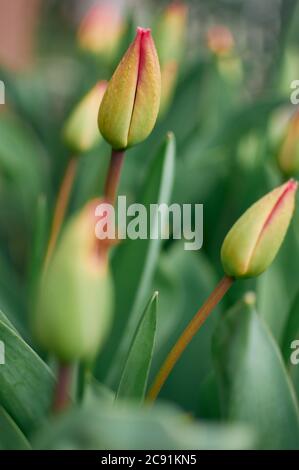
(81, 131)
(288, 156)
(220, 40)
(221, 44)
(74, 305)
(101, 30)
(130, 106)
(254, 240)
(170, 39)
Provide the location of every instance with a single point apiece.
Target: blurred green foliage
(242, 395)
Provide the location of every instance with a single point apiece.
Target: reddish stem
(61, 206)
(113, 177)
(188, 334)
(62, 391)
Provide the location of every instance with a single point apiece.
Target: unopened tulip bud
(101, 30)
(81, 131)
(220, 40)
(278, 124)
(74, 305)
(130, 106)
(221, 44)
(170, 39)
(288, 156)
(170, 33)
(254, 240)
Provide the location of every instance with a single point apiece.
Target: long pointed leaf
(135, 262)
(135, 374)
(26, 383)
(11, 437)
(254, 383)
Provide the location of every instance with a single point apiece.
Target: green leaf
(12, 295)
(127, 427)
(254, 384)
(90, 179)
(6, 321)
(277, 287)
(97, 391)
(208, 401)
(169, 308)
(39, 242)
(11, 438)
(291, 331)
(291, 334)
(135, 374)
(20, 162)
(26, 383)
(197, 280)
(134, 263)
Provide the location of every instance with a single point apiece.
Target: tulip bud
(170, 40)
(74, 304)
(101, 30)
(130, 106)
(254, 240)
(221, 43)
(288, 157)
(220, 40)
(81, 132)
(278, 124)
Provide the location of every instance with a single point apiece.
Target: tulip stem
(187, 335)
(61, 205)
(62, 391)
(113, 176)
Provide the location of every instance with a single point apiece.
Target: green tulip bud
(81, 131)
(130, 106)
(288, 156)
(101, 30)
(220, 40)
(254, 240)
(74, 303)
(170, 39)
(221, 44)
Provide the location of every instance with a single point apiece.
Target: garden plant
(141, 342)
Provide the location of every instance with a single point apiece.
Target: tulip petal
(75, 296)
(254, 240)
(288, 158)
(148, 91)
(81, 131)
(130, 105)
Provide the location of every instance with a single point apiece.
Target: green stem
(187, 335)
(61, 206)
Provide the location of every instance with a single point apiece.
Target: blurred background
(227, 68)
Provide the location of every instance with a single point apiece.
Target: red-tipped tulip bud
(220, 40)
(74, 305)
(170, 33)
(130, 106)
(101, 30)
(81, 131)
(254, 240)
(278, 125)
(288, 156)
(221, 44)
(170, 39)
